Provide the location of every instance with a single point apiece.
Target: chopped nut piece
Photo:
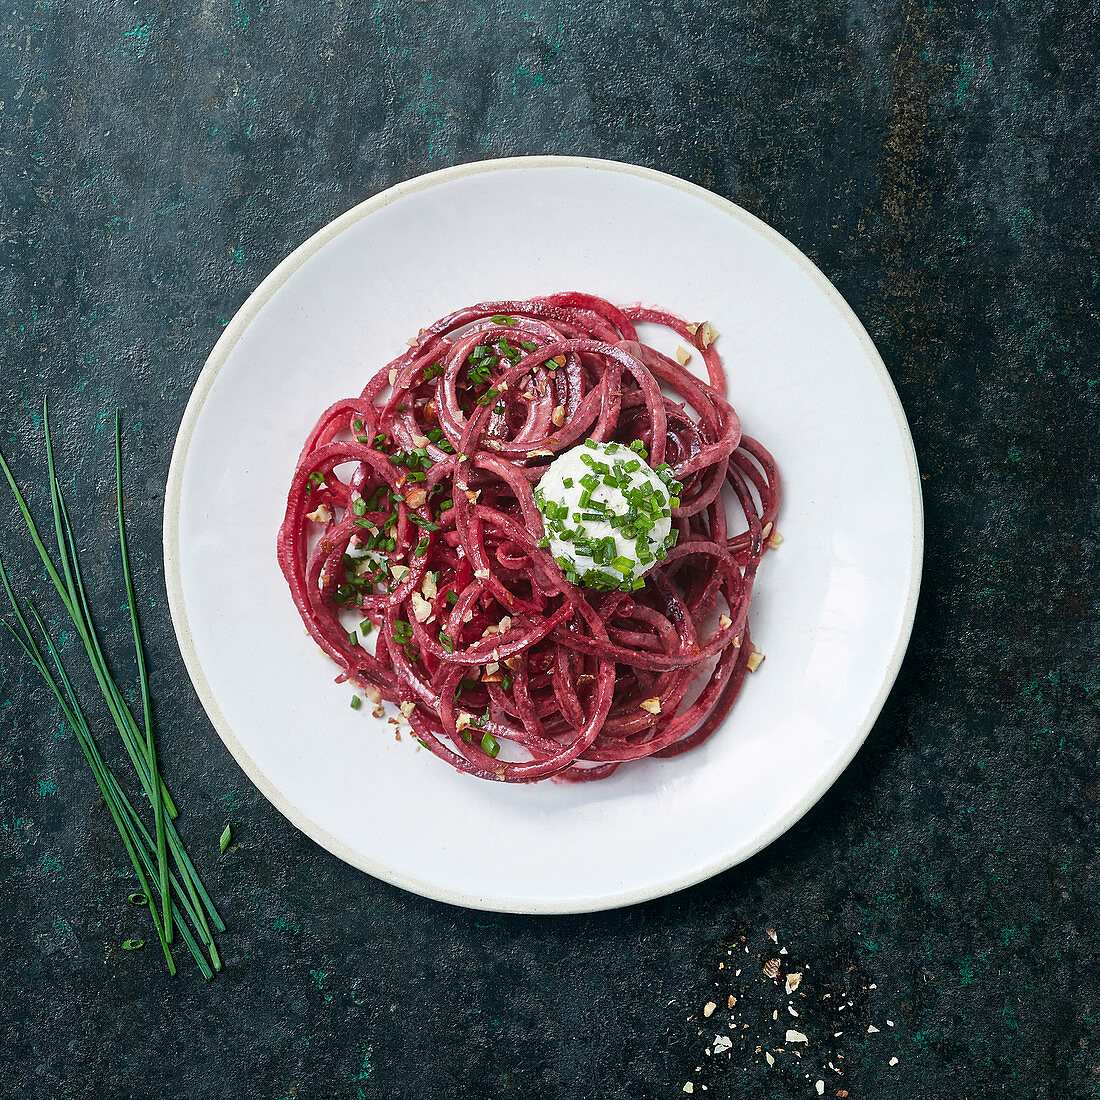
(511, 662)
(756, 659)
(768, 1058)
(541, 451)
(683, 356)
(420, 441)
(321, 514)
(421, 608)
(794, 981)
(820, 1086)
(557, 417)
(379, 711)
(893, 1061)
(653, 706)
(481, 574)
(413, 342)
(586, 678)
(468, 616)
(429, 587)
(373, 694)
(399, 572)
(493, 444)
(842, 1093)
(559, 359)
(408, 707)
(708, 1008)
(774, 539)
(772, 935)
(724, 621)
(505, 623)
(393, 375)
(463, 720)
(796, 1037)
(871, 1029)
(688, 1087)
(693, 328)
(471, 496)
(707, 335)
(771, 969)
(415, 498)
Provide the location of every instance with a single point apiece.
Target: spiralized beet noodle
(502, 667)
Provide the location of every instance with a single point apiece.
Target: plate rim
(217, 358)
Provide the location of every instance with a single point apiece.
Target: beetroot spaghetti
(416, 511)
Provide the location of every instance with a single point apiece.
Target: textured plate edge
(177, 604)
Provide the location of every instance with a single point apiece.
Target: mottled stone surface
(939, 162)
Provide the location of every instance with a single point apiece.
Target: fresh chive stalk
(168, 881)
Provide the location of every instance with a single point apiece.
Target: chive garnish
(502, 319)
(489, 745)
(132, 945)
(355, 704)
(227, 833)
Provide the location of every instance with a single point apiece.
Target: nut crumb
(379, 711)
(731, 1002)
(771, 969)
(756, 659)
(321, 514)
(796, 1036)
(652, 706)
(408, 707)
(558, 416)
(772, 934)
(393, 375)
(683, 356)
(708, 1009)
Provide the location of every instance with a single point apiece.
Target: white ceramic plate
(833, 607)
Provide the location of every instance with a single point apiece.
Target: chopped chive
(132, 945)
(138, 898)
(452, 598)
(447, 642)
(489, 745)
(502, 319)
(227, 833)
(356, 702)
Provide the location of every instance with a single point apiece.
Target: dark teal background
(940, 163)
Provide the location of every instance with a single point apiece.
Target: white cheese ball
(607, 514)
